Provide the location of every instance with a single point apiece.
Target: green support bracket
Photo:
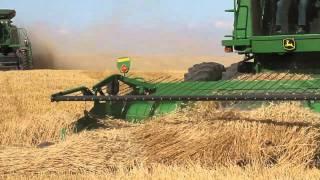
(137, 84)
(257, 68)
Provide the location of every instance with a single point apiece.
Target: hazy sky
(81, 13)
(134, 26)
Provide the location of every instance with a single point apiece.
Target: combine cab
(15, 47)
(278, 65)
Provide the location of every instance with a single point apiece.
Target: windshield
(285, 17)
(3, 32)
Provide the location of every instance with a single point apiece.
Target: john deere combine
(15, 47)
(283, 63)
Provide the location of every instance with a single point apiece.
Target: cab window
(272, 17)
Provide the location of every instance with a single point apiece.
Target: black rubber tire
(24, 62)
(231, 72)
(237, 69)
(246, 67)
(207, 71)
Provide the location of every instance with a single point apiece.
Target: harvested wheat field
(277, 141)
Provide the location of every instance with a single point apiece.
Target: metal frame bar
(218, 91)
(248, 97)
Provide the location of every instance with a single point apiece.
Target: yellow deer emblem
(289, 44)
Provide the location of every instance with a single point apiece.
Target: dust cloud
(152, 48)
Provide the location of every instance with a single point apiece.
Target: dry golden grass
(27, 115)
(274, 76)
(272, 141)
(196, 172)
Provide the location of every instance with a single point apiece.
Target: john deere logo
(289, 44)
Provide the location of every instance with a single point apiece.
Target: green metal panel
(103, 109)
(242, 26)
(274, 44)
(133, 111)
(243, 20)
(239, 42)
(223, 87)
(314, 105)
(163, 108)
(244, 41)
(235, 86)
(138, 111)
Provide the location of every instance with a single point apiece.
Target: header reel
(135, 99)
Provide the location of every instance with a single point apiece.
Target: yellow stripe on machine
(125, 59)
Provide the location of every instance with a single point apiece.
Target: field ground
(278, 141)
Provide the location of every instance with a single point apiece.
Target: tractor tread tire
(231, 72)
(207, 71)
(24, 60)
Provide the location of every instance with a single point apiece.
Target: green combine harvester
(15, 47)
(277, 66)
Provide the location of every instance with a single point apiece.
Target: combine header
(15, 47)
(280, 64)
